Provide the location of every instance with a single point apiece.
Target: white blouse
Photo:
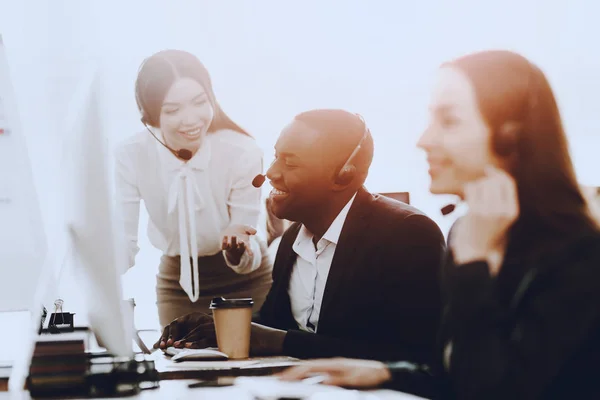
(190, 203)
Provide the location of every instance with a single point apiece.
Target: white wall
(271, 59)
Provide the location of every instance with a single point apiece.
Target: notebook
(209, 353)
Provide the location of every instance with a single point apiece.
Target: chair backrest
(592, 197)
(400, 196)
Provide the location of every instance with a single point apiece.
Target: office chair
(400, 196)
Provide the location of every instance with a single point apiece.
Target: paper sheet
(204, 365)
(273, 388)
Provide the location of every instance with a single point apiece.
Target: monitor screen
(96, 236)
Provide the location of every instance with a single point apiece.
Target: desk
(178, 390)
(175, 378)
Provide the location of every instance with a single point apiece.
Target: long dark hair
(157, 74)
(512, 91)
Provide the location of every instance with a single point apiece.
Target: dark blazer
(383, 285)
(532, 332)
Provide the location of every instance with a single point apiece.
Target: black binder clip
(60, 321)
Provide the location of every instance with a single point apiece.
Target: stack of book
(59, 364)
(5, 369)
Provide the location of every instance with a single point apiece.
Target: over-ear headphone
(506, 138)
(146, 120)
(346, 175)
(348, 171)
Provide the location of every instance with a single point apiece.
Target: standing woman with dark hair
(522, 280)
(193, 167)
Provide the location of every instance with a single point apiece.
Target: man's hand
(193, 331)
(236, 240)
(266, 341)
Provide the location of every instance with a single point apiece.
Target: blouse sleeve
(128, 200)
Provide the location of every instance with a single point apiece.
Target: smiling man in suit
(357, 274)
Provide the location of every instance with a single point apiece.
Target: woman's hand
(236, 240)
(194, 331)
(341, 372)
(493, 208)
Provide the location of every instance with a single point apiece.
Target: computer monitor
(96, 238)
(91, 232)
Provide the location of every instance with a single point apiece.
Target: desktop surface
(176, 378)
(180, 390)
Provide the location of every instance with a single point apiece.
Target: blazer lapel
(285, 258)
(348, 251)
(282, 271)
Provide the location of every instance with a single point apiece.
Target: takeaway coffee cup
(233, 318)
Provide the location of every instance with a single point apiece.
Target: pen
(219, 382)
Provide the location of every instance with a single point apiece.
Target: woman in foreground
(522, 279)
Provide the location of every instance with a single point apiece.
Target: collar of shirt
(303, 245)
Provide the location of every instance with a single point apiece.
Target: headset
(506, 139)
(183, 154)
(348, 170)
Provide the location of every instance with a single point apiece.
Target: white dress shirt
(311, 269)
(190, 203)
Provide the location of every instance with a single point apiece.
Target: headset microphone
(258, 180)
(448, 209)
(184, 154)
